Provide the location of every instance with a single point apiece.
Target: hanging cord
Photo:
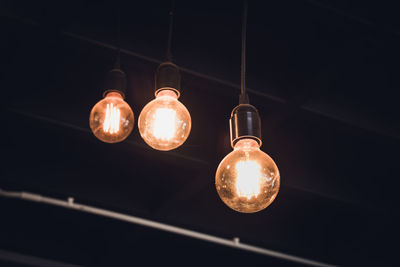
(118, 59)
(243, 98)
(171, 24)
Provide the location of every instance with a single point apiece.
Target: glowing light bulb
(247, 179)
(165, 123)
(111, 119)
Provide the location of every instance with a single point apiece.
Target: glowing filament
(111, 122)
(248, 179)
(164, 123)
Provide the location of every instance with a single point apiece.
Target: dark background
(323, 74)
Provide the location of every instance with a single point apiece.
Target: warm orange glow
(247, 179)
(165, 123)
(111, 119)
(111, 122)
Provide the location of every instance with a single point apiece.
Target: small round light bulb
(247, 179)
(165, 123)
(111, 119)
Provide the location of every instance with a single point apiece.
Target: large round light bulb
(247, 179)
(111, 119)
(165, 123)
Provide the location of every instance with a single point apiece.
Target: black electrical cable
(116, 79)
(243, 98)
(118, 60)
(171, 24)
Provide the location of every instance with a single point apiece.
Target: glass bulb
(247, 179)
(111, 119)
(165, 123)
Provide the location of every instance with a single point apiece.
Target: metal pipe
(27, 260)
(234, 243)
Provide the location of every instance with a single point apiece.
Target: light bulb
(247, 179)
(111, 119)
(165, 123)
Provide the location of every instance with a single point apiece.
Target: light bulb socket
(245, 123)
(115, 82)
(168, 77)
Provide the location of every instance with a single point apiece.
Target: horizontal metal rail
(234, 243)
(27, 260)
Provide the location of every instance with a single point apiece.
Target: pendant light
(165, 123)
(247, 179)
(111, 119)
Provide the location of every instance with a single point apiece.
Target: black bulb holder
(168, 77)
(245, 123)
(115, 82)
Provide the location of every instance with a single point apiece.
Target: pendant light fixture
(165, 123)
(247, 180)
(111, 119)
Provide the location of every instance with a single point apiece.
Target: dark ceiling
(323, 74)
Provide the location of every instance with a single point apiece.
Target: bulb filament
(164, 127)
(248, 179)
(111, 122)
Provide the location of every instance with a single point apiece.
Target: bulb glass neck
(247, 144)
(167, 93)
(114, 94)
